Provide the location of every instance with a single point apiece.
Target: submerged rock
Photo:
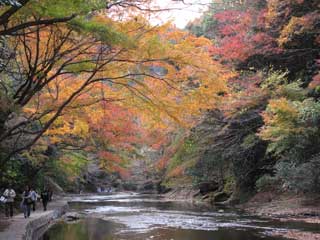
(72, 216)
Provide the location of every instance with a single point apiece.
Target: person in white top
(9, 194)
(34, 198)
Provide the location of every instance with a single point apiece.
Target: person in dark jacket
(26, 202)
(45, 195)
(50, 194)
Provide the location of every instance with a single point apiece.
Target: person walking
(26, 202)
(34, 198)
(50, 194)
(9, 195)
(45, 195)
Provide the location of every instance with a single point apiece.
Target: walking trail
(19, 227)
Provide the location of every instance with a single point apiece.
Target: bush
(229, 184)
(303, 177)
(266, 182)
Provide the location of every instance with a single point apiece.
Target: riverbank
(31, 228)
(287, 207)
(266, 204)
(182, 194)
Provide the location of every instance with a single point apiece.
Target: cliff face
(143, 175)
(95, 178)
(221, 159)
(203, 175)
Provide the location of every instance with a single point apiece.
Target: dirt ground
(287, 207)
(276, 204)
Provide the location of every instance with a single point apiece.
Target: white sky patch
(182, 13)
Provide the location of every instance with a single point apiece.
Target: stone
(72, 216)
(206, 187)
(220, 197)
(147, 186)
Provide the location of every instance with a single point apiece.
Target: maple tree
(271, 47)
(94, 79)
(242, 34)
(64, 66)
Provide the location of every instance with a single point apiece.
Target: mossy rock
(221, 197)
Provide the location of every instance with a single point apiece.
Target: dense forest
(264, 133)
(230, 104)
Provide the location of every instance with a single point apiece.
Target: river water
(146, 217)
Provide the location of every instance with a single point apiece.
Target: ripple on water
(136, 217)
(147, 219)
(102, 198)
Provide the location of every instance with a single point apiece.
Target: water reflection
(97, 229)
(88, 229)
(136, 217)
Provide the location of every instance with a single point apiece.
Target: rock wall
(37, 227)
(33, 228)
(182, 193)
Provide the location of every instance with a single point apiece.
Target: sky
(181, 13)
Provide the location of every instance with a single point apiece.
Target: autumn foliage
(84, 77)
(265, 124)
(97, 81)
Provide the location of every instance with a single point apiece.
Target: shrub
(303, 177)
(266, 182)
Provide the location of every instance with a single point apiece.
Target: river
(148, 217)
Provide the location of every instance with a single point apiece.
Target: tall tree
(64, 66)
